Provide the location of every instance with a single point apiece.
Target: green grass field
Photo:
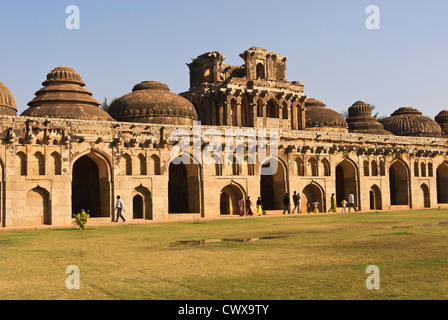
(296, 257)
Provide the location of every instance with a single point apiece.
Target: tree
(105, 105)
(378, 118)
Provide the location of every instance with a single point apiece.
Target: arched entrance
(310, 194)
(375, 198)
(37, 207)
(230, 195)
(399, 183)
(137, 207)
(142, 203)
(272, 109)
(183, 188)
(91, 186)
(425, 196)
(273, 187)
(346, 181)
(442, 183)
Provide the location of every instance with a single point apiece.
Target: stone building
(64, 154)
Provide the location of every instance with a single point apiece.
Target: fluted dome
(442, 120)
(7, 101)
(408, 121)
(63, 96)
(320, 118)
(360, 120)
(152, 102)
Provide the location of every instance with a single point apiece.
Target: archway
(137, 207)
(142, 203)
(399, 183)
(310, 194)
(260, 71)
(38, 209)
(346, 181)
(442, 183)
(272, 109)
(375, 198)
(246, 114)
(425, 196)
(183, 187)
(273, 186)
(91, 186)
(230, 195)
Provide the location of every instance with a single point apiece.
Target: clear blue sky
(329, 49)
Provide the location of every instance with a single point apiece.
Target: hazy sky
(329, 48)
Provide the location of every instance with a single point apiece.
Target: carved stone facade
(52, 166)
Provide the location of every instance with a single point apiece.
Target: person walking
(241, 206)
(351, 202)
(316, 206)
(248, 207)
(333, 207)
(259, 207)
(119, 207)
(344, 205)
(296, 201)
(286, 203)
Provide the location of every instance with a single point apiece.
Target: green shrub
(81, 219)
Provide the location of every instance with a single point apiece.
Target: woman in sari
(248, 209)
(259, 207)
(241, 205)
(333, 203)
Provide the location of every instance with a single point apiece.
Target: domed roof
(318, 117)
(152, 102)
(63, 96)
(360, 120)
(442, 120)
(408, 121)
(7, 101)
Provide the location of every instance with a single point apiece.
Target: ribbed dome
(320, 118)
(152, 102)
(442, 120)
(63, 96)
(360, 120)
(408, 121)
(7, 101)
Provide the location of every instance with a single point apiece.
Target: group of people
(314, 206)
(245, 206)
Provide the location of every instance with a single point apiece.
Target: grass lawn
(297, 257)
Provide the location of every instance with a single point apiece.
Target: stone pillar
(264, 113)
(293, 115)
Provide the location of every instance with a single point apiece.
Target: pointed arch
(56, 163)
(91, 183)
(184, 186)
(442, 183)
(346, 181)
(229, 197)
(38, 208)
(21, 163)
(126, 165)
(375, 198)
(399, 183)
(273, 186)
(424, 189)
(311, 193)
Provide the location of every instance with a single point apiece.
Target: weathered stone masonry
(64, 154)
